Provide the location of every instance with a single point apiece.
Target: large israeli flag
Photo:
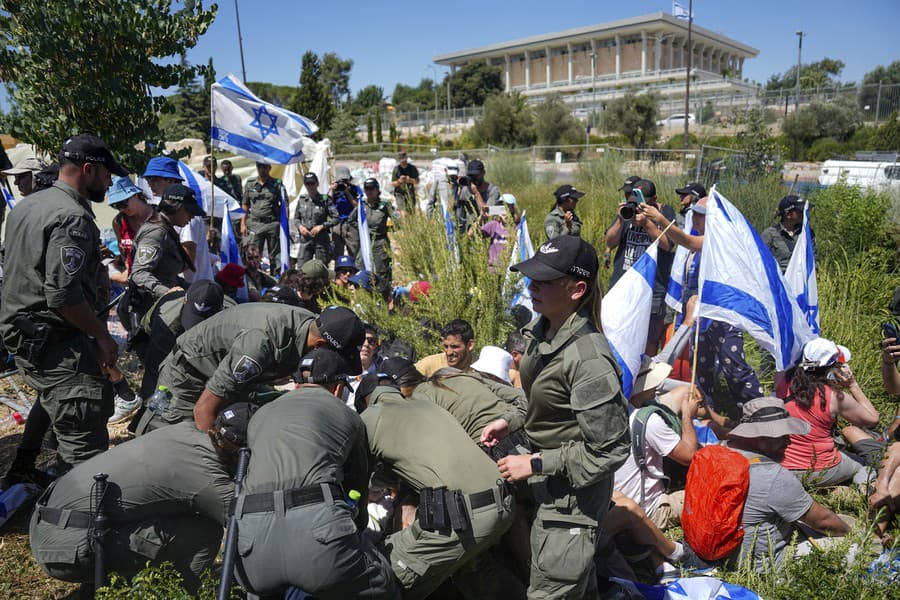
(741, 284)
(284, 234)
(231, 252)
(800, 275)
(675, 289)
(625, 315)
(203, 188)
(523, 249)
(689, 588)
(244, 124)
(365, 237)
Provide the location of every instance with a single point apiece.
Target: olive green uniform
(159, 260)
(578, 420)
(299, 444)
(555, 224)
(378, 218)
(230, 354)
(445, 456)
(167, 500)
(310, 213)
(51, 261)
(262, 201)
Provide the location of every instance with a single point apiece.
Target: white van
(862, 173)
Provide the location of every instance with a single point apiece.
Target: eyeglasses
(119, 205)
(372, 341)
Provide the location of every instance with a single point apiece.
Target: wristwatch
(537, 464)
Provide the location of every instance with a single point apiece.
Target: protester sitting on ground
(661, 426)
(362, 279)
(562, 220)
(257, 280)
(231, 278)
(886, 495)
(776, 500)
(458, 340)
(160, 173)
(311, 285)
(133, 211)
(817, 391)
(344, 268)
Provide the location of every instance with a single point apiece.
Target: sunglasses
(119, 205)
(370, 187)
(372, 341)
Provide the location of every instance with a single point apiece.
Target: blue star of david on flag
(261, 113)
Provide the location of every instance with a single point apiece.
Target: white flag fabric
(800, 275)
(675, 289)
(284, 234)
(523, 249)
(741, 284)
(680, 12)
(203, 189)
(365, 238)
(231, 253)
(625, 315)
(242, 123)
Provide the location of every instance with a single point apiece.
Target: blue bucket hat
(121, 189)
(163, 166)
(345, 261)
(362, 279)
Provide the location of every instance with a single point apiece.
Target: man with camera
(346, 195)
(473, 195)
(631, 234)
(405, 178)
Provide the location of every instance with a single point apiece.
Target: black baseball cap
(629, 183)
(203, 299)
(398, 368)
(344, 332)
(647, 187)
(567, 191)
(90, 148)
(561, 256)
(322, 365)
(789, 203)
(282, 294)
(368, 384)
(233, 420)
(310, 178)
(180, 194)
(371, 182)
(692, 189)
(475, 167)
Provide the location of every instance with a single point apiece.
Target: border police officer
(262, 200)
(378, 215)
(315, 216)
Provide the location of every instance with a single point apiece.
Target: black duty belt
(440, 508)
(313, 494)
(65, 518)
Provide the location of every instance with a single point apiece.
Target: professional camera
(341, 185)
(630, 208)
(464, 181)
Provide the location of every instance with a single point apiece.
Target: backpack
(714, 497)
(638, 428)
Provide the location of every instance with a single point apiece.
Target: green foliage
(279, 95)
(824, 149)
(507, 170)
(762, 151)
(473, 84)
(342, 131)
(86, 66)
(507, 121)
(369, 128)
(163, 582)
(817, 74)
(868, 96)
(378, 126)
(407, 97)
(554, 124)
(393, 135)
(371, 96)
(336, 77)
(887, 136)
(188, 114)
(848, 220)
(837, 119)
(633, 116)
(707, 113)
(313, 100)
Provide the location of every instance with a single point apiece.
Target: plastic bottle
(15, 418)
(159, 401)
(353, 497)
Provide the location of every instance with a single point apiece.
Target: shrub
(848, 220)
(508, 169)
(507, 121)
(825, 149)
(160, 583)
(633, 116)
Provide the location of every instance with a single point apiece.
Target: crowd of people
(516, 471)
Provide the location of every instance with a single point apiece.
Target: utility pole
(240, 41)
(799, 63)
(434, 87)
(687, 75)
(594, 80)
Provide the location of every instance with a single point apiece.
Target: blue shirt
(343, 204)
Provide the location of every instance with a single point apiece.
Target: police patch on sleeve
(72, 258)
(246, 369)
(146, 254)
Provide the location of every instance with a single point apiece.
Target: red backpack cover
(714, 496)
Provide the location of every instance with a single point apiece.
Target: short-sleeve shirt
(195, 231)
(406, 190)
(632, 245)
(659, 441)
(263, 199)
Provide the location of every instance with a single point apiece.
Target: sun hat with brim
(767, 417)
(27, 165)
(821, 352)
(561, 256)
(121, 190)
(494, 361)
(163, 166)
(650, 375)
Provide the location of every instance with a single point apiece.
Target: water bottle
(159, 401)
(15, 418)
(353, 498)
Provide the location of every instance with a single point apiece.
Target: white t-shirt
(659, 441)
(195, 231)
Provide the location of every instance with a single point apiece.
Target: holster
(440, 508)
(34, 338)
(512, 445)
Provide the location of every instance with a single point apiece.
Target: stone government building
(599, 61)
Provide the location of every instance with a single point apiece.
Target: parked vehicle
(862, 173)
(677, 119)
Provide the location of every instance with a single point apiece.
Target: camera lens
(628, 211)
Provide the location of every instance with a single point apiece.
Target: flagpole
(212, 163)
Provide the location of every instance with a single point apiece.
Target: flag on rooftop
(741, 284)
(246, 125)
(800, 275)
(680, 12)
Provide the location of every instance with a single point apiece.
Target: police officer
(462, 510)
(315, 216)
(48, 319)
(159, 257)
(171, 508)
(562, 220)
(780, 239)
(378, 215)
(224, 358)
(577, 419)
(263, 196)
(308, 452)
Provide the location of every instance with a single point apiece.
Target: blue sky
(395, 41)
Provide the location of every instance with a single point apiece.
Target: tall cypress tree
(313, 99)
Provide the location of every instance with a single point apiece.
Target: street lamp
(800, 35)
(434, 86)
(594, 80)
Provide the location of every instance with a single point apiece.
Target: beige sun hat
(767, 417)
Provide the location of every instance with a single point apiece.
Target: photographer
(631, 234)
(405, 178)
(346, 195)
(473, 195)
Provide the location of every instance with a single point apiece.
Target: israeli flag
(800, 275)
(450, 226)
(675, 289)
(203, 189)
(741, 284)
(689, 588)
(8, 198)
(231, 252)
(244, 124)
(625, 315)
(284, 234)
(522, 251)
(680, 12)
(365, 238)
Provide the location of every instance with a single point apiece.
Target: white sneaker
(124, 409)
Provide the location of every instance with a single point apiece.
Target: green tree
(407, 97)
(837, 119)
(342, 132)
(762, 152)
(817, 74)
(868, 96)
(633, 116)
(472, 84)
(393, 134)
(554, 124)
(279, 95)
(371, 96)
(336, 76)
(887, 136)
(507, 121)
(186, 115)
(369, 128)
(313, 100)
(378, 135)
(92, 66)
